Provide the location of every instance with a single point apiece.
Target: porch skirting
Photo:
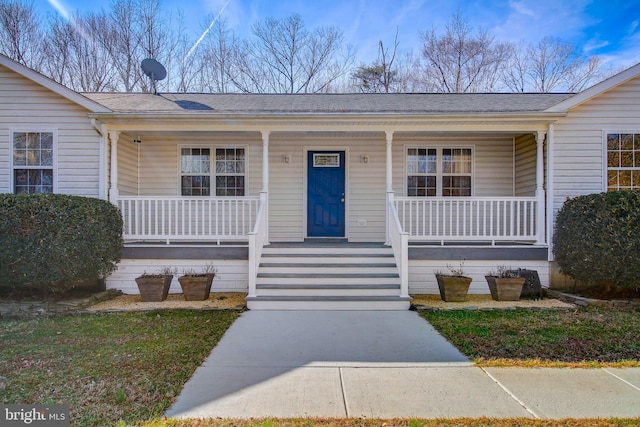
(232, 264)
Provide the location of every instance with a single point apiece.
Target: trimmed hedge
(51, 243)
(597, 238)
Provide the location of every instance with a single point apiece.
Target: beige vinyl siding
(365, 198)
(367, 190)
(525, 167)
(5, 152)
(286, 188)
(27, 106)
(492, 167)
(127, 166)
(159, 160)
(578, 140)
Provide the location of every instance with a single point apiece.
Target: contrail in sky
(60, 8)
(67, 16)
(194, 47)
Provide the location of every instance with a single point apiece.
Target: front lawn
(588, 337)
(108, 367)
(122, 369)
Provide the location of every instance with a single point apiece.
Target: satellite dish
(154, 70)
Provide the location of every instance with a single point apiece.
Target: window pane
(447, 160)
(626, 159)
(612, 179)
(613, 159)
(33, 141)
(47, 178)
(613, 141)
(421, 186)
(624, 179)
(19, 157)
(21, 177)
(626, 141)
(20, 140)
(456, 186)
(46, 157)
(46, 141)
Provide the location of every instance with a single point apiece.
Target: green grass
(359, 422)
(126, 369)
(108, 367)
(588, 337)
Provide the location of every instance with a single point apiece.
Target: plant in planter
(505, 284)
(196, 285)
(454, 284)
(154, 287)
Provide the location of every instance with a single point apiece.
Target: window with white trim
(32, 160)
(434, 171)
(195, 171)
(623, 161)
(198, 178)
(230, 167)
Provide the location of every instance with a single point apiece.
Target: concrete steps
(327, 277)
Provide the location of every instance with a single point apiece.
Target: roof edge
(52, 85)
(597, 89)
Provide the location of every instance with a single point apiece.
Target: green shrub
(597, 238)
(50, 243)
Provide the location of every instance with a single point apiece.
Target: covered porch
(505, 208)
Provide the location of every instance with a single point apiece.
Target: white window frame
(212, 166)
(605, 155)
(439, 173)
(54, 167)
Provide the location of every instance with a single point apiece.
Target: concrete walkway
(379, 364)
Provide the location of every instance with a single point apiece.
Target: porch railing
(188, 218)
(492, 219)
(399, 241)
(257, 240)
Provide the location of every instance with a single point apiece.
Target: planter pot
(154, 288)
(505, 288)
(196, 288)
(453, 288)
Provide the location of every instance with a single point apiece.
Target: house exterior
(324, 200)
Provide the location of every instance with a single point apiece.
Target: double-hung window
(230, 169)
(436, 171)
(32, 160)
(195, 169)
(200, 176)
(623, 161)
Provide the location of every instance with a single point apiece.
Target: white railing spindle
(468, 219)
(188, 218)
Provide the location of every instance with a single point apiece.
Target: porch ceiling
(255, 135)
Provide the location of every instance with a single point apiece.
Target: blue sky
(608, 28)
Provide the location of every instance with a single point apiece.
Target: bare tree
(550, 65)
(461, 60)
(514, 75)
(120, 37)
(20, 33)
(219, 49)
(287, 58)
(379, 76)
(554, 64)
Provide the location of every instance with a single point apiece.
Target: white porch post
(389, 180)
(113, 188)
(265, 180)
(540, 197)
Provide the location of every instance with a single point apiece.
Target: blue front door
(325, 194)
